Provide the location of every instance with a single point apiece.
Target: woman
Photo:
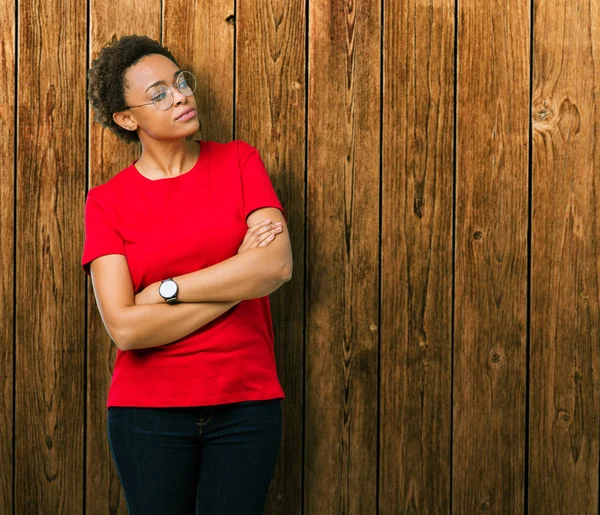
(183, 247)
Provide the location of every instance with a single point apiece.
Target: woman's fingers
(252, 231)
(260, 225)
(264, 228)
(260, 234)
(264, 239)
(267, 240)
(270, 234)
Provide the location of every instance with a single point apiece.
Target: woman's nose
(178, 96)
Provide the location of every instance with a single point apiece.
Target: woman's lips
(186, 116)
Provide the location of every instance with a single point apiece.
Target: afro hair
(106, 78)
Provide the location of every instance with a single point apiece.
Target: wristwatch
(168, 290)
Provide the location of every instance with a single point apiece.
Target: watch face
(168, 289)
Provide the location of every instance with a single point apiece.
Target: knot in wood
(563, 416)
(543, 112)
(495, 358)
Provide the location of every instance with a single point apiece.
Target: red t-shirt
(173, 226)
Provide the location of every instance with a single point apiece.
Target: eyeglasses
(162, 96)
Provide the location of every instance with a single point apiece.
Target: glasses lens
(163, 98)
(186, 83)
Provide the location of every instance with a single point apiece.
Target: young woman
(183, 247)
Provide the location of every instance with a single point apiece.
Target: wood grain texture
(565, 355)
(7, 221)
(201, 36)
(416, 258)
(342, 257)
(107, 156)
(50, 322)
(491, 258)
(270, 115)
(451, 427)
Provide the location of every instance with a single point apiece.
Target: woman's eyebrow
(161, 81)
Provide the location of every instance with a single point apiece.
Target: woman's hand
(260, 235)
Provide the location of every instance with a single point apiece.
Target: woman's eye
(182, 84)
(158, 96)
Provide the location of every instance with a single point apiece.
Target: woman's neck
(162, 159)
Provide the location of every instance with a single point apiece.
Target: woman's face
(141, 82)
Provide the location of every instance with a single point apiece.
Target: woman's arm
(154, 325)
(143, 326)
(254, 273)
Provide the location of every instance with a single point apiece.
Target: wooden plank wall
(438, 161)
(7, 265)
(564, 346)
(490, 305)
(49, 340)
(415, 468)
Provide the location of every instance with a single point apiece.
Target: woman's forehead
(150, 69)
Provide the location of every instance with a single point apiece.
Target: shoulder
(107, 192)
(235, 155)
(247, 155)
(237, 148)
(243, 148)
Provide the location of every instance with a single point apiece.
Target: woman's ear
(125, 120)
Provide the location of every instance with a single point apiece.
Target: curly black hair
(106, 78)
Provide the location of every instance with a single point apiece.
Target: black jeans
(205, 460)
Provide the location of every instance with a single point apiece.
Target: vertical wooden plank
(201, 37)
(565, 356)
(342, 257)
(416, 250)
(270, 114)
(50, 301)
(7, 229)
(491, 257)
(107, 156)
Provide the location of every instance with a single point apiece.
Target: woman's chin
(181, 133)
(195, 127)
(190, 128)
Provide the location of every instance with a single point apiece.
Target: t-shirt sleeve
(101, 237)
(257, 188)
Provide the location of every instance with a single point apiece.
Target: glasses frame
(171, 91)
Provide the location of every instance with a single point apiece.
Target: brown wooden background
(439, 161)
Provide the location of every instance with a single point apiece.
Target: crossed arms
(145, 320)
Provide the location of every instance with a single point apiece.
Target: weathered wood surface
(416, 258)
(565, 257)
(7, 229)
(490, 302)
(50, 390)
(342, 256)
